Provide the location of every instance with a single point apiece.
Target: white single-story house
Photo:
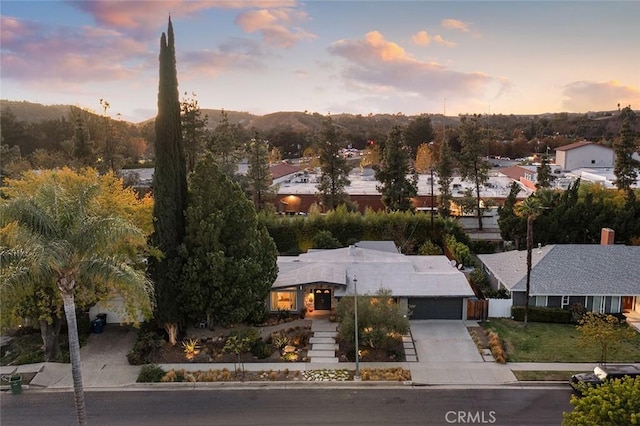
(603, 278)
(429, 285)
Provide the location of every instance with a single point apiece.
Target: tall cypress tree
(397, 184)
(625, 167)
(169, 190)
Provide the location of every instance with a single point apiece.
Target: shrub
(501, 293)
(251, 334)
(541, 314)
(150, 373)
(429, 249)
(260, 349)
(280, 340)
(496, 347)
(147, 341)
(478, 277)
(577, 310)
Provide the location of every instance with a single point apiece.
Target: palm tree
(58, 230)
(529, 208)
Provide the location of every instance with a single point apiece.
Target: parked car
(601, 374)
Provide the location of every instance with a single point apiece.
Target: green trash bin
(16, 385)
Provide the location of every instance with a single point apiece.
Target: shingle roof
(572, 269)
(405, 276)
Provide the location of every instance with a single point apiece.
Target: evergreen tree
(544, 174)
(225, 145)
(334, 167)
(83, 149)
(444, 168)
(229, 259)
(259, 173)
(419, 131)
(626, 167)
(510, 224)
(169, 191)
(194, 130)
(471, 163)
(396, 188)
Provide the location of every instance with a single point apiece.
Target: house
(604, 278)
(584, 154)
(316, 280)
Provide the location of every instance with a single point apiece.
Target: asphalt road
(398, 406)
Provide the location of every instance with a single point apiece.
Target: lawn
(543, 342)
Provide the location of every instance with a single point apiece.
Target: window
(284, 301)
(615, 304)
(565, 301)
(538, 301)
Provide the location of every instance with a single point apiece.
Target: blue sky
(361, 57)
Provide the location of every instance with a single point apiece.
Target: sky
(330, 57)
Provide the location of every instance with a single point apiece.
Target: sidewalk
(105, 366)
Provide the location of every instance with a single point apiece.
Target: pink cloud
(277, 26)
(376, 64)
(37, 54)
(598, 96)
(423, 38)
(454, 24)
(145, 15)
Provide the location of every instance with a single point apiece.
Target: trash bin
(16, 384)
(96, 326)
(103, 318)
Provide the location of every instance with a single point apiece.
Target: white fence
(500, 308)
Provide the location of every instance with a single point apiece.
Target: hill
(591, 125)
(33, 112)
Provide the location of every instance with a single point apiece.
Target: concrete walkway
(323, 343)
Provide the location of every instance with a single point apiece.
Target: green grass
(543, 342)
(547, 376)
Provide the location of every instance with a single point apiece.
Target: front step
(324, 360)
(326, 340)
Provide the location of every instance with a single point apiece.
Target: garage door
(436, 308)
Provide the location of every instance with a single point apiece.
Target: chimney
(607, 236)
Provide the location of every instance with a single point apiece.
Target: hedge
(540, 314)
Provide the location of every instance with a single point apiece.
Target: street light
(356, 376)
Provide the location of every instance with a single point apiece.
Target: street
(396, 406)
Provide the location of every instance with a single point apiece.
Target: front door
(322, 299)
(627, 303)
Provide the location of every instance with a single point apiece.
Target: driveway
(447, 355)
(440, 341)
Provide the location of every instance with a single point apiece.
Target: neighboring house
(584, 154)
(282, 172)
(526, 175)
(316, 280)
(604, 278)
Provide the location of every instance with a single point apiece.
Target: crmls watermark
(470, 417)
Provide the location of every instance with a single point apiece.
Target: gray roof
(405, 276)
(572, 269)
